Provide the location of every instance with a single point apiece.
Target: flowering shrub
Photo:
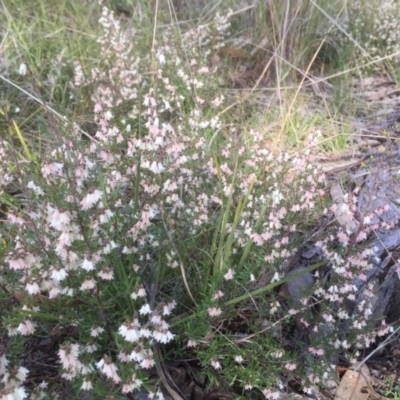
(374, 26)
(149, 235)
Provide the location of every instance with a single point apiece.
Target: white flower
(3, 364)
(58, 274)
(145, 309)
(367, 220)
(161, 58)
(96, 331)
(145, 333)
(130, 331)
(105, 216)
(86, 385)
(276, 197)
(22, 69)
(87, 265)
(18, 393)
(163, 336)
(35, 188)
(11, 379)
(276, 277)
(156, 167)
(109, 246)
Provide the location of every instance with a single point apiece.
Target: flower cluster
(375, 27)
(93, 229)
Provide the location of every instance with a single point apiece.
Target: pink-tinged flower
(130, 331)
(343, 238)
(52, 169)
(88, 284)
(229, 275)
(216, 364)
(123, 357)
(214, 312)
(270, 395)
(167, 308)
(218, 294)
(15, 219)
(98, 108)
(65, 239)
(316, 351)
(59, 220)
(155, 318)
(109, 369)
(257, 239)
(96, 331)
(32, 288)
(106, 274)
(140, 292)
(290, 366)
(163, 335)
(132, 385)
(145, 309)
(91, 198)
(18, 263)
(26, 327)
(68, 354)
(147, 363)
(192, 343)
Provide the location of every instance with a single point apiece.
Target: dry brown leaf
(356, 385)
(233, 52)
(339, 165)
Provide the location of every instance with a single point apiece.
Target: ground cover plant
(160, 226)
